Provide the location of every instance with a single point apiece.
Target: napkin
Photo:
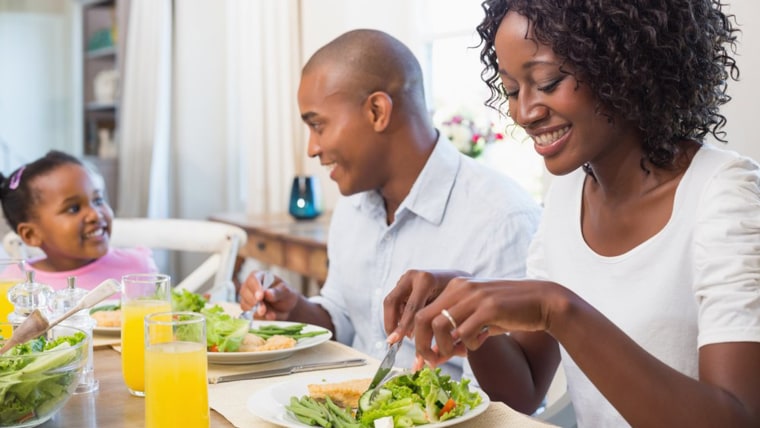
(101, 341)
(229, 399)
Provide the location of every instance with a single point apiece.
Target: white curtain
(145, 111)
(264, 65)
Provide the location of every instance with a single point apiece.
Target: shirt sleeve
(727, 255)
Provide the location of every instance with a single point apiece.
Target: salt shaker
(63, 301)
(28, 296)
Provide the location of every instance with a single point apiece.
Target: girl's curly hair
(664, 64)
(17, 194)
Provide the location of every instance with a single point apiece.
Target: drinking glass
(141, 294)
(6, 282)
(176, 385)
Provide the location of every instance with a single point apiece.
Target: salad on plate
(420, 398)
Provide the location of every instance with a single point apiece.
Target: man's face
(340, 130)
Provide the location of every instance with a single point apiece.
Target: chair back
(559, 409)
(220, 240)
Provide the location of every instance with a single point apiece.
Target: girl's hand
(414, 290)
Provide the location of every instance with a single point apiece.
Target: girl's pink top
(116, 263)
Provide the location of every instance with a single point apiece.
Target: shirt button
(378, 291)
(379, 345)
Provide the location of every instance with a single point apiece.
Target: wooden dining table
(112, 406)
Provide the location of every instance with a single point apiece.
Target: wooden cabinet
(103, 35)
(278, 239)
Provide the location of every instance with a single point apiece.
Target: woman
(645, 268)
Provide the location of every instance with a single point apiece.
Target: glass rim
(188, 318)
(146, 277)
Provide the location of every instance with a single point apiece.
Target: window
(454, 87)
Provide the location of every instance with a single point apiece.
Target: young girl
(56, 204)
(645, 270)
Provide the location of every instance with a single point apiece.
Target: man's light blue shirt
(458, 215)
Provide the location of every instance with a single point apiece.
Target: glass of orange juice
(141, 294)
(176, 385)
(6, 282)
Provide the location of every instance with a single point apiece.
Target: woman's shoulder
(711, 160)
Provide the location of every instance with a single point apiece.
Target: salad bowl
(38, 377)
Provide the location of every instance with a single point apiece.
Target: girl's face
(71, 220)
(556, 110)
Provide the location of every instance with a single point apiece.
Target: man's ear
(29, 234)
(379, 107)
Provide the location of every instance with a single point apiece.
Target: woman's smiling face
(558, 112)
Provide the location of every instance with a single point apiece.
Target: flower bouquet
(469, 136)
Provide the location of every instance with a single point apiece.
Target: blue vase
(305, 198)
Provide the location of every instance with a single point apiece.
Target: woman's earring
(509, 113)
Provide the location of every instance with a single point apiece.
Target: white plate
(109, 331)
(264, 356)
(269, 403)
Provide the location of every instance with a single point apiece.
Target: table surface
(111, 405)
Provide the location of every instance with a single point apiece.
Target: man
(412, 200)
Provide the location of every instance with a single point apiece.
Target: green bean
(294, 331)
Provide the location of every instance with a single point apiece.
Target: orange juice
(176, 390)
(133, 340)
(6, 307)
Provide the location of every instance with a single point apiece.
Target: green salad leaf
(223, 331)
(30, 387)
(184, 300)
(419, 398)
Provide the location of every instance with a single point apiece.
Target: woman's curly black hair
(664, 64)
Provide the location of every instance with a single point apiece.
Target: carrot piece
(450, 404)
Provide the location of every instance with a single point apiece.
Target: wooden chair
(219, 240)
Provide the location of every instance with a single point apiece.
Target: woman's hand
(414, 290)
(469, 310)
(278, 300)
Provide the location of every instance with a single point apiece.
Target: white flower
(467, 136)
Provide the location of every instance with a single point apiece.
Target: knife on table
(289, 370)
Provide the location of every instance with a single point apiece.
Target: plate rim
(266, 399)
(269, 356)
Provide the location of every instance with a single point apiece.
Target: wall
(743, 109)
(323, 20)
(36, 81)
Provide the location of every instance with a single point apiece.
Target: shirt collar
(430, 192)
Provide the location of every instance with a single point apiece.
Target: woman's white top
(696, 282)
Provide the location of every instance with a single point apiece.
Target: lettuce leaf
(188, 301)
(418, 398)
(223, 330)
(32, 386)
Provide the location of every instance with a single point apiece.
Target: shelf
(101, 53)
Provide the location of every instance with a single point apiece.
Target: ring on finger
(448, 316)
